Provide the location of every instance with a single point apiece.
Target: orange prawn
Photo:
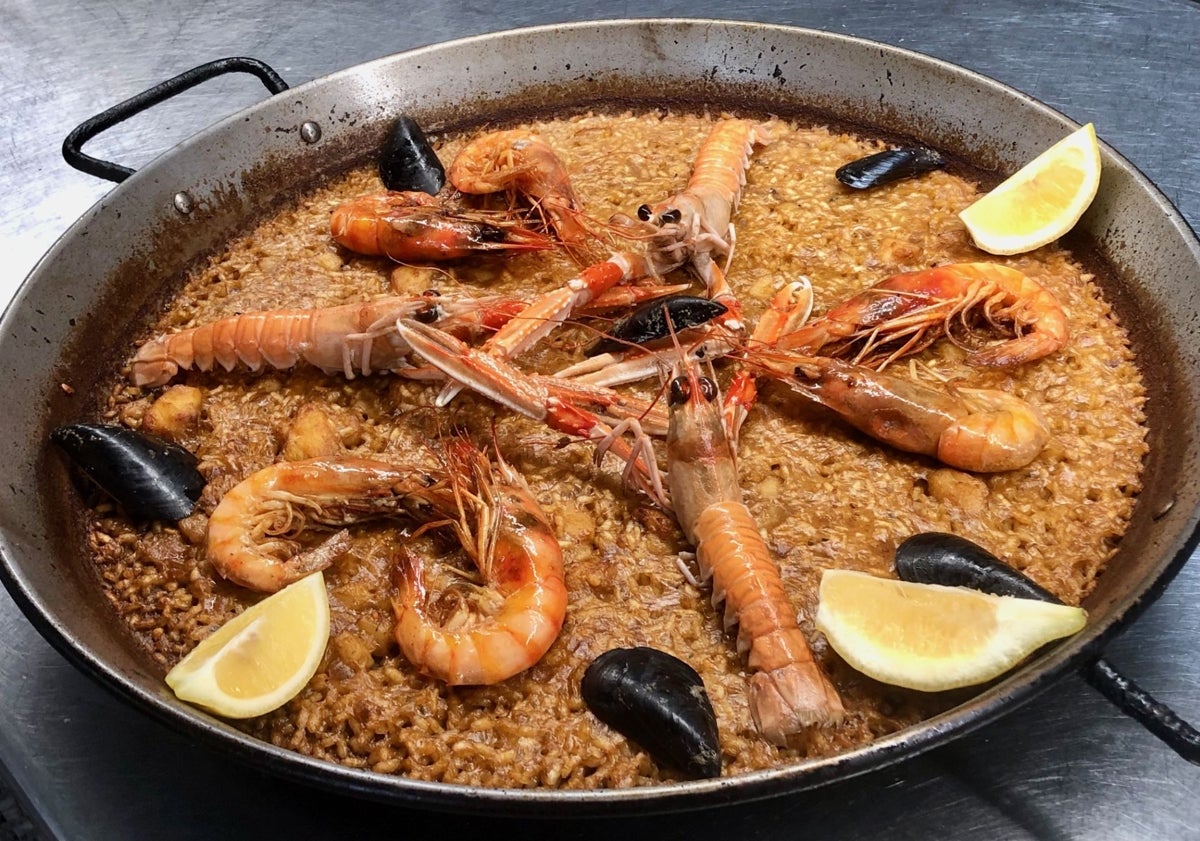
(417, 227)
(976, 429)
(522, 595)
(520, 161)
(252, 531)
(907, 312)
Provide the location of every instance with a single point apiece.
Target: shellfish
(151, 478)
(888, 166)
(407, 162)
(658, 701)
(655, 320)
(953, 561)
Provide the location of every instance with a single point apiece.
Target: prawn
(349, 338)
(251, 531)
(520, 564)
(520, 161)
(788, 691)
(974, 429)
(413, 226)
(907, 312)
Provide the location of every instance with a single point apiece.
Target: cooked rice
(824, 495)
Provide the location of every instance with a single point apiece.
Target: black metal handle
(85, 131)
(1139, 705)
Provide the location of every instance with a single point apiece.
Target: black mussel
(953, 561)
(408, 163)
(649, 322)
(658, 701)
(888, 166)
(151, 478)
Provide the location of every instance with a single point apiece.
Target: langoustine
(788, 691)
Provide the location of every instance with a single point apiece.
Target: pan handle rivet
(184, 203)
(310, 132)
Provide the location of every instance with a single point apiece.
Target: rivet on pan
(184, 203)
(310, 132)
(1163, 508)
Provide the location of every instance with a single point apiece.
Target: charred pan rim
(1001, 698)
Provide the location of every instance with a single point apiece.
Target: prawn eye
(669, 217)
(708, 389)
(644, 213)
(427, 315)
(681, 391)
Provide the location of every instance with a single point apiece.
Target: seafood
(522, 162)
(351, 338)
(656, 320)
(417, 227)
(252, 531)
(407, 162)
(151, 478)
(694, 225)
(788, 691)
(889, 166)
(907, 312)
(954, 561)
(522, 592)
(975, 429)
(658, 701)
(539, 399)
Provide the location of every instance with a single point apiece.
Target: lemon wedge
(1041, 201)
(260, 659)
(930, 637)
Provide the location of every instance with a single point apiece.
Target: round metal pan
(89, 297)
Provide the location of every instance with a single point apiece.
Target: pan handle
(85, 131)
(1139, 705)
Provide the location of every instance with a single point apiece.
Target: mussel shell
(649, 322)
(953, 561)
(151, 478)
(888, 166)
(658, 701)
(407, 162)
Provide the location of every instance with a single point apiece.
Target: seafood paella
(572, 416)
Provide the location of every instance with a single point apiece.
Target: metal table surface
(1067, 766)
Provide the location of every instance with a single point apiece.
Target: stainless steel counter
(1067, 766)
